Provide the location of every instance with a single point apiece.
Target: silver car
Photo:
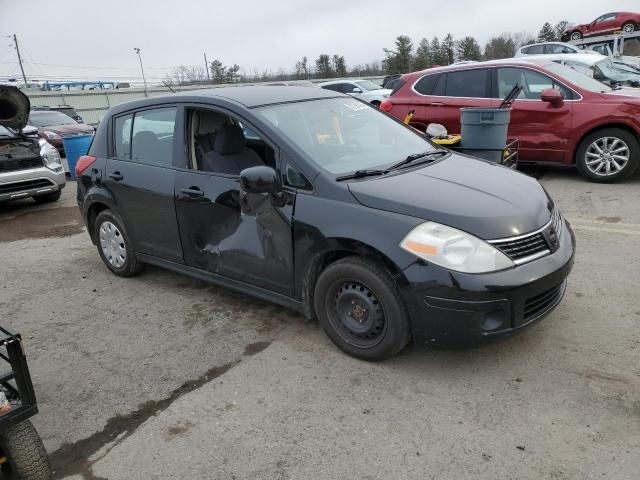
(29, 166)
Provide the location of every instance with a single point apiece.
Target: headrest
(229, 140)
(209, 122)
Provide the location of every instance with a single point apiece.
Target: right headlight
(454, 249)
(50, 155)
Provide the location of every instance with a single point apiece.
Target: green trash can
(484, 131)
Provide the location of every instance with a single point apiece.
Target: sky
(85, 39)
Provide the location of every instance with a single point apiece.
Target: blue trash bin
(484, 131)
(74, 148)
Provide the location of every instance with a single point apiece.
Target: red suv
(561, 115)
(628, 22)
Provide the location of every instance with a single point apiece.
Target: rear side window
(152, 136)
(467, 83)
(426, 85)
(533, 50)
(122, 136)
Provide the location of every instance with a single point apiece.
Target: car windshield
(605, 70)
(578, 79)
(344, 135)
(367, 85)
(49, 119)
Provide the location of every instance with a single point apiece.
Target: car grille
(528, 247)
(24, 185)
(542, 303)
(20, 164)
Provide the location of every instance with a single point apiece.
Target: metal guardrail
(91, 105)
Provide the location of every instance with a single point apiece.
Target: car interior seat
(148, 148)
(205, 127)
(230, 155)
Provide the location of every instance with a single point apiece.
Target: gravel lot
(162, 376)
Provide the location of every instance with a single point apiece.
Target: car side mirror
(30, 130)
(552, 96)
(356, 90)
(260, 179)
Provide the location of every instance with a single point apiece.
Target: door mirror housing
(260, 179)
(356, 90)
(552, 96)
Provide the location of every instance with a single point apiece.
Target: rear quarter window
(426, 85)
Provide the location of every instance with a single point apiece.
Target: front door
(140, 176)
(543, 129)
(245, 237)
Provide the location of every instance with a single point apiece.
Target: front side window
(152, 136)
(343, 135)
(467, 83)
(605, 18)
(349, 87)
(533, 83)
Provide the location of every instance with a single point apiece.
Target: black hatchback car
(322, 203)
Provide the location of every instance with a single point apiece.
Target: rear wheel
(360, 308)
(48, 197)
(608, 155)
(115, 246)
(24, 453)
(576, 35)
(629, 27)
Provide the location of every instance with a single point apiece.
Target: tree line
(402, 58)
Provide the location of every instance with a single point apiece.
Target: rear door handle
(437, 104)
(193, 192)
(117, 176)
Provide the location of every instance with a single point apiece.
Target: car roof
(333, 82)
(584, 58)
(548, 43)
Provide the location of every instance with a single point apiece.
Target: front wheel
(360, 308)
(608, 155)
(629, 27)
(576, 35)
(26, 457)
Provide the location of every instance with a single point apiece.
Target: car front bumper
(457, 309)
(30, 183)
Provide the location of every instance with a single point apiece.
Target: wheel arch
(593, 129)
(337, 249)
(94, 203)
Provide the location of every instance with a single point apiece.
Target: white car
(549, 48)
(364, 89)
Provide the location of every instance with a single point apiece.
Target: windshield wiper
(360, 174)
(432, 154)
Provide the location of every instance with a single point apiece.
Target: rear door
(140, 176)
(456, 90)
(543, 129)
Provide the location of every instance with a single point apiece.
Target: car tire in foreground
(26, 456)
(608, 155)
(115, 246)
(360, 308)
(48, 197)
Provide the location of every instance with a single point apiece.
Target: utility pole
(24, 77)
(144, 79)
(206, 67)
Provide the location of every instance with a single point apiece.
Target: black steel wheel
(24, 453)
(360, 308)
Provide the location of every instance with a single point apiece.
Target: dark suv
(319, 202)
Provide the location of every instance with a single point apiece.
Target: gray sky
(95, 39)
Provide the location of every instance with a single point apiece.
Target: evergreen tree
(547, 33)
(422, 59)
(399, 60)
(339, 66)
(302, 69)
(468, 49)
(499, 47)
(436, 52)
(323, 66)
(218, 72)
(448, 49)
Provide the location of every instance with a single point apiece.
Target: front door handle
(193, 192)
(437, 104)
(117, 176)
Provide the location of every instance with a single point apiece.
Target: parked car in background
(387, 81)
(294, 83)
(363, 89)
(53, 126)
(561, 115)
(628, 22)
(391, 237)
(29, 166)
(604, 69)
(549, 48)
(66, 109)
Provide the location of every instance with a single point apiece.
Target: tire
(592, 164)
(576, 35)
(115, 246)
(360, 308)
(48, 197)
(25, 452)
(629, 27)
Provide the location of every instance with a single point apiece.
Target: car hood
(14, 107)
(624, 92)
(68, 129)
(479, 197)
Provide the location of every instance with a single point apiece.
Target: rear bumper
(30, 182)
(455, 309)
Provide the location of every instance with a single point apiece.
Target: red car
(628, 22)
(561, 115)
(53, 126)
